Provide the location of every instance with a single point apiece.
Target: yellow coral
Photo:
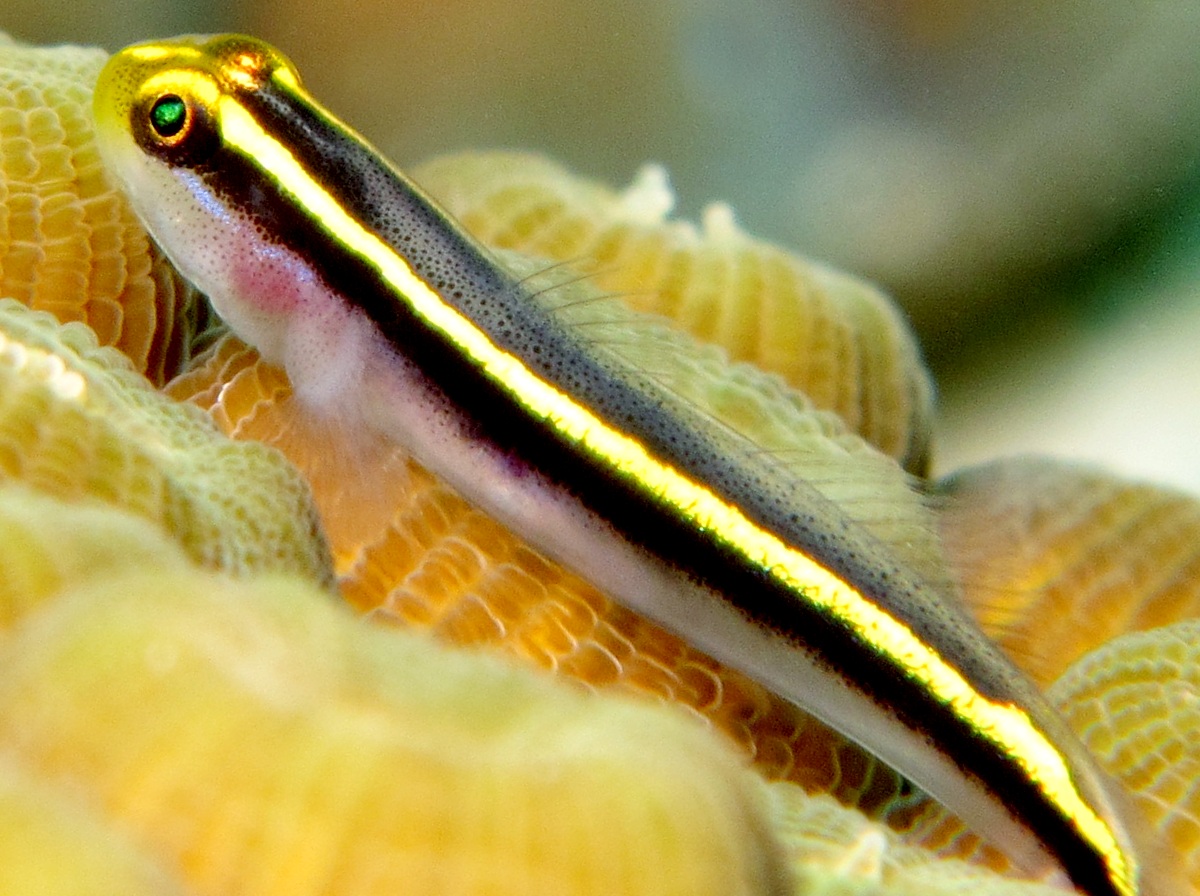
(297, 712)
(1057, 559)
(835, 851)
(260, 739)
(1135, 702)
(51, 841)
(69, 244)
(78, 422)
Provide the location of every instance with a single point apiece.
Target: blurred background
(1022, 175)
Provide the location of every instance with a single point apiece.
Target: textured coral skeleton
(129, 520)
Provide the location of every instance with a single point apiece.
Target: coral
(257, 737)
(835, 851)
(197, 732)
(51, 842)
(1134, 702)
(78, 422)
(1056, 559)
(68, 243)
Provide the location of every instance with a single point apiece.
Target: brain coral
(77, 421)
(195, 732)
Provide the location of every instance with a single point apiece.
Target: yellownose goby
(317, 251)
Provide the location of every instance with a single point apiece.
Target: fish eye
(168, 116)
(175, 127)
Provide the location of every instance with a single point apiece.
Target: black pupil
(168, 115)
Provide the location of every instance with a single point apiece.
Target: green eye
(168, 115)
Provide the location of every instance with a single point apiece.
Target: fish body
(384, 311)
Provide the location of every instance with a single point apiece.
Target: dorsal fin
(869, 487)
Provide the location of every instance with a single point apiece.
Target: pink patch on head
(271, 278)
(261, 289)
